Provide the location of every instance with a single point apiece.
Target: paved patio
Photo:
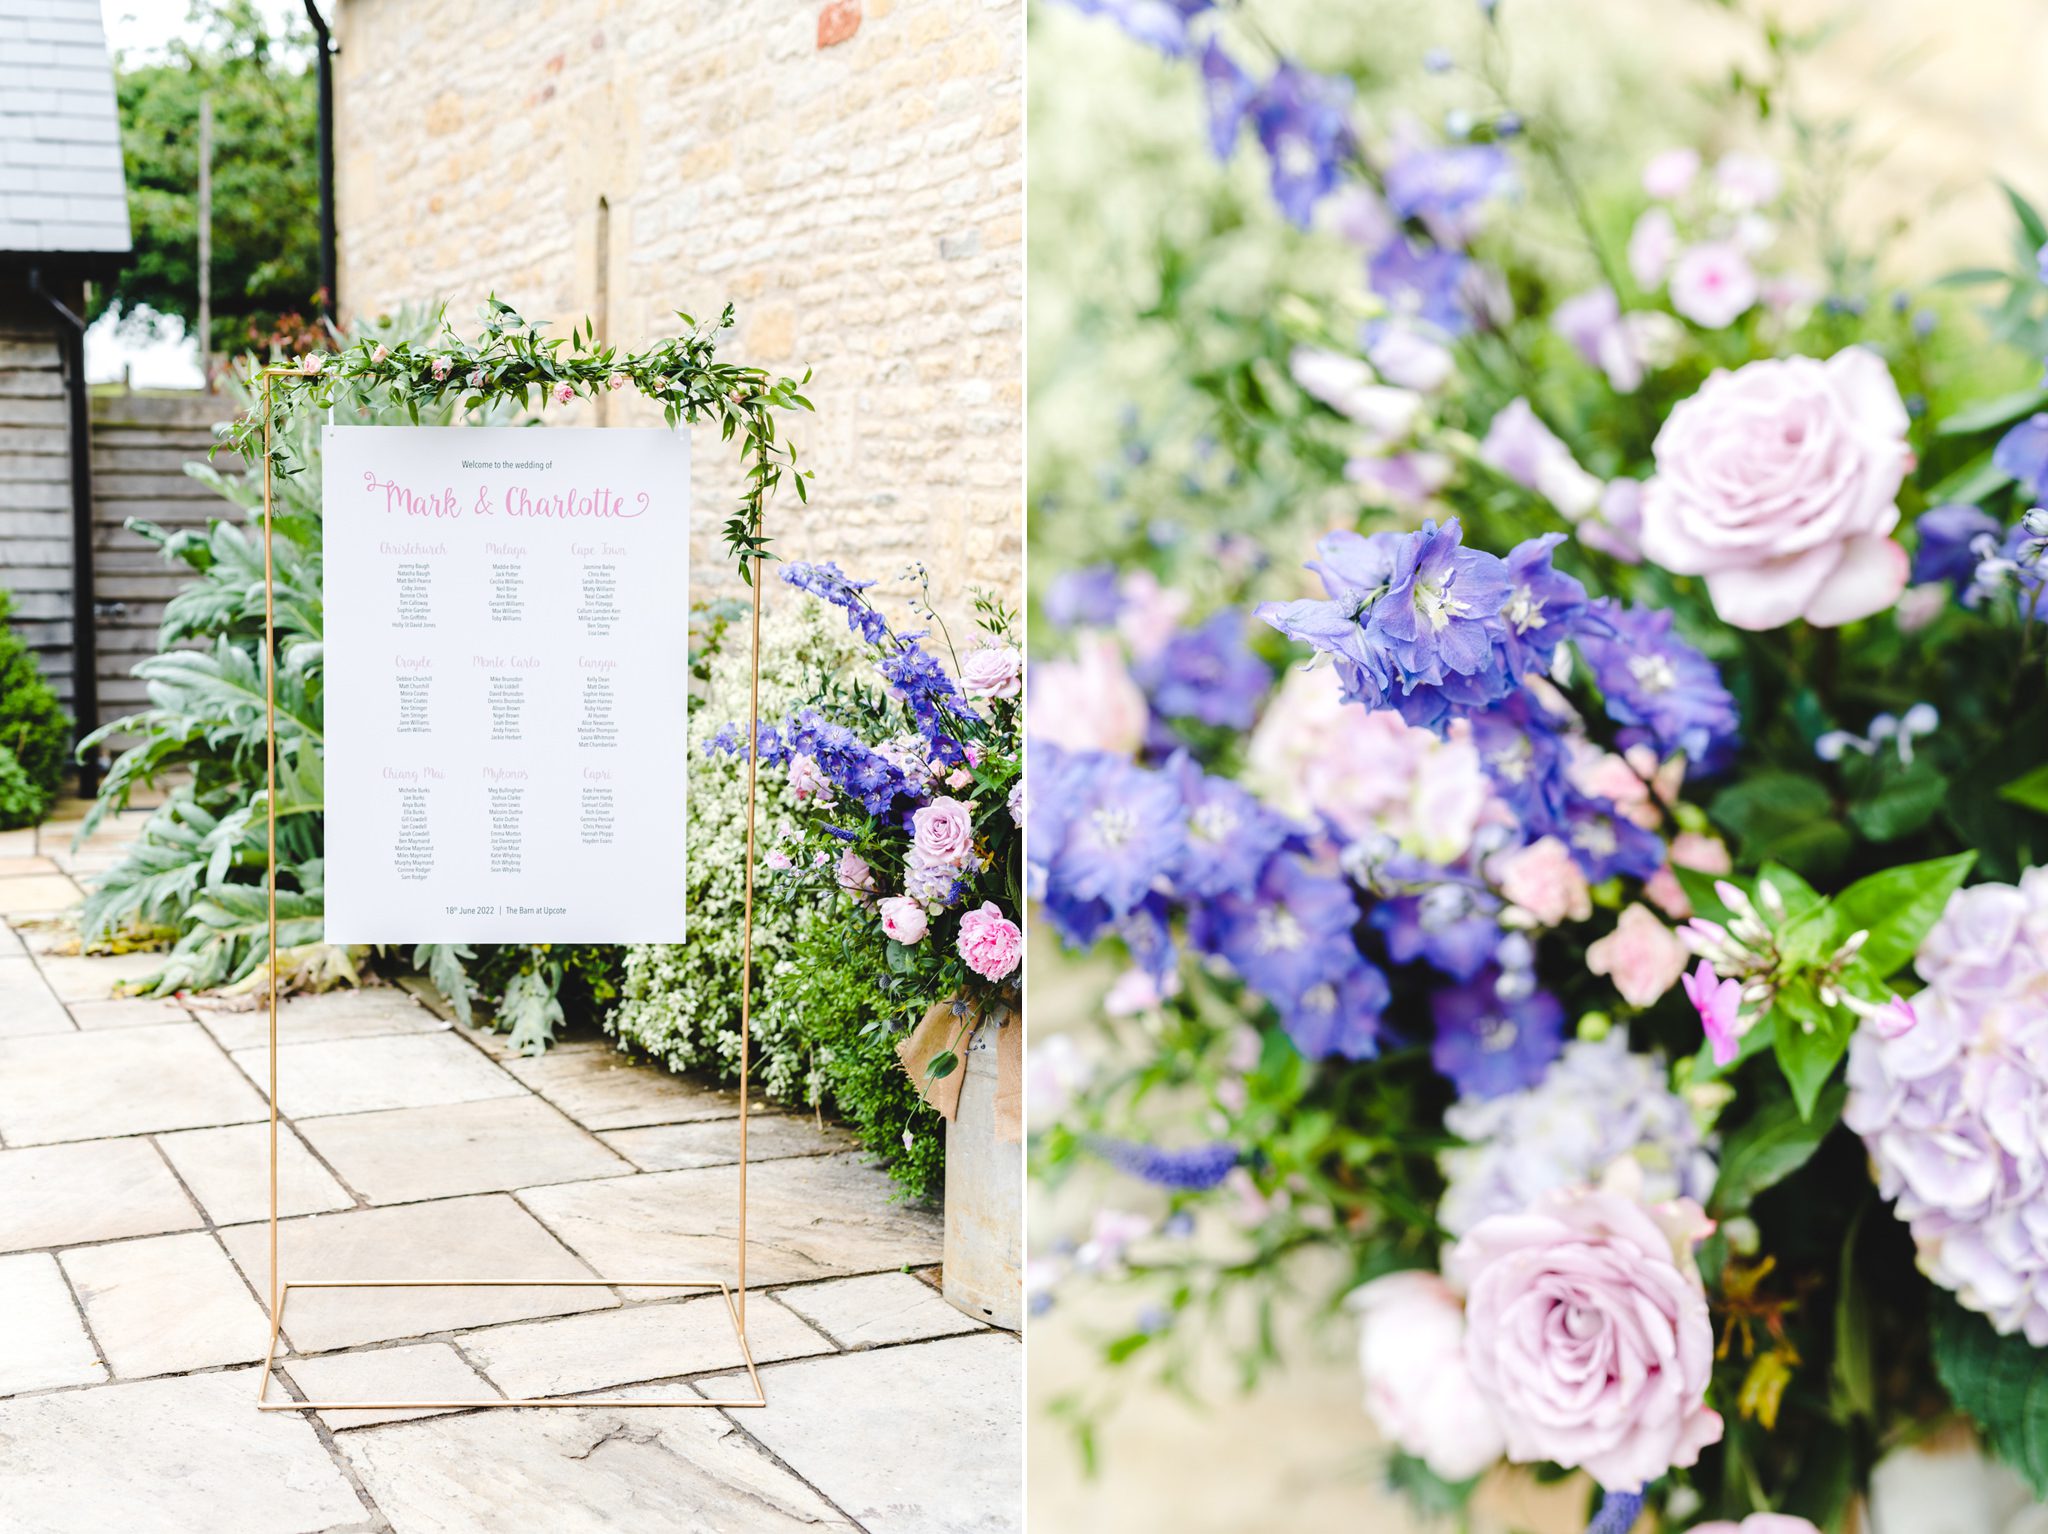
(133, 1252)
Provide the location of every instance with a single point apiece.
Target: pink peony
(1411, 1350)
(1586, 1331)
(942, 833)
(1713, 284)
(1642, 956)
(854, 874)
(903, 919)
(1089, 703)
(1779, 484)
(1668, 174)
(1543, 880)
(990, 942)
(993, 671)
(1759, 1523)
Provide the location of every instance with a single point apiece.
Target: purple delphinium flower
(1229, 92)
(1229, 834)
(1301, 118)
(1209, 673)
(1289, 934)
(1951, 545)
(1488, 1046)
(853, 767)
(1522, 748)
(1652, 679)
(1607, 845)
(1340, 1017)
(934, 701)
(1121, 836)
(1086, 598)
(828, 583)
(1161, 24)
(1193, 1170)
(2023, 453)
(1544, 607)
(1148, 938)
(731, 740)
(1444, 185)
(1421, 282)
(1453, 926)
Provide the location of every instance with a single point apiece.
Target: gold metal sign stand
(734, 1295)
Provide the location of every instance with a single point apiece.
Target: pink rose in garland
(1411, 1350)
(990, 942)
(1587, 1331)
(1779, 483)
(942, 833)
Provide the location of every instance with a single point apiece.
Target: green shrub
(21, 802)
(33, 725)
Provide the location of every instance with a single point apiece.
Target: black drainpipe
(325, 50)
(85, 660)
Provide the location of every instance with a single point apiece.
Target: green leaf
(1973, 482)
(1902, 804)
(1783, 815)
(1810, 1039)
(2000, 1382)
(1993, 412)
(2030, 221)
(1897, 907)
(1699, 889)
(2029, 791)
(1773, 1145)
(1855, 1374)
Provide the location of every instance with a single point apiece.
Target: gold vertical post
(747, 922)
(270, 822)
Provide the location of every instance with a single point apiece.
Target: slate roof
(61, 188)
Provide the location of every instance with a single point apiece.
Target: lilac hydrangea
(1489, 1044)
(1951, 1110)
(1208, 673)
(1654, 681)
(1597, 1103)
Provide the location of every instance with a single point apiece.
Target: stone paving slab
(642, 1342)
(228, 1171)
(189, 1455)
(389, 1071)
(338, 1014)
(26, 1005)
(878, 1308)
(16, 844)
(11, 945)
(28, 863)
(83, 1086)
(37, 894)
(76, 977)
(601, 1089)
(488, 1236)
(716, 1142)
(166, 1304)
(129, 1012)
(593, 1472)
(403, 1155)
(43, 1344)
(101, 1190)
(422, 1371)
(809, 1217)
(958, 1475)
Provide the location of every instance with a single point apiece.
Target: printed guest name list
(506, 669)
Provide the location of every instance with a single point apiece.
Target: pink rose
(616, 382)
(1667, 174)
(1758, 1523)
(807, 779)
(1418, 1391)
(1543, 880)
(1642, 956)
(476, 378)
(1713, 284)
(903, 919)
(1779, 483)
(311, 363)
(993, 671)
(441, 367)
(1586, 1331)
(942, 833)
(854, 874)
(380, 353)
(990, 942)
(564, 393)
(1088, 703)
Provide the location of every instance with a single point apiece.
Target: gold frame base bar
(270, 1360)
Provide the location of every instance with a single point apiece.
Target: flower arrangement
(1594, 903)
(906, 809)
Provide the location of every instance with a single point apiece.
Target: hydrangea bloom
(1597, 1103)
(1952, 1109)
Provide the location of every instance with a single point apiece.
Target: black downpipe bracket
(330, 285)
(85, 659)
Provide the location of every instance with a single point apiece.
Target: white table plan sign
(506, 676)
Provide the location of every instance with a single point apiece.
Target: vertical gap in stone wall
(601, 307)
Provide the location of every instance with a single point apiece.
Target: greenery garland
(512, 361)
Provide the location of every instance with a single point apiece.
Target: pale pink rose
(1713, 284)
(1418, 1391)
(1607, 776)
(1651, 245)
(476, 378)
(1779, 483)
(1668, 173)
(1586, 1330)
(1369, 771)
(854, 874)
(563, 393)
(380, 353)
(991, 944)
(1642, 956)
(993, 671)
(903, 919)
(942, 833)
(807, 779)
(1758, 1523)
(311, 363)
(1518, 445)
(959, 777)
(1921, 605)
(1543, 880)
(1088, 703)
(616, 382)
(1747, 181)
(441, 369)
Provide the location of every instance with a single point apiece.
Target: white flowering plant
(1593, 910)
